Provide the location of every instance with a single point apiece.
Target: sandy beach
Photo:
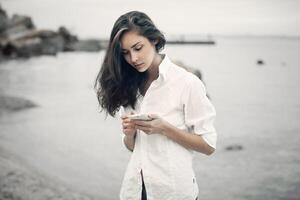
(19, 181)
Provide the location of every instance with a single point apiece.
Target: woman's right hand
(128, 127)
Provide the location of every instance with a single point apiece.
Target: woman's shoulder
(181, 73)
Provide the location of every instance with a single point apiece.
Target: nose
(134, 58)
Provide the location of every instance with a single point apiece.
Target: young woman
(136, 79)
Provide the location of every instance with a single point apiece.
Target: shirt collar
(162, 72)
(163, 67)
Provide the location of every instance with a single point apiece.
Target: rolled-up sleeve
(199, 113)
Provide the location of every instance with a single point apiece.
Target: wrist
(166, 129)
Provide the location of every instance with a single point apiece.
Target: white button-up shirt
(178, 97)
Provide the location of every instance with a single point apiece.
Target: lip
(138, 65)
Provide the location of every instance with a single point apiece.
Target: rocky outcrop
(10, 104)
(19, 38)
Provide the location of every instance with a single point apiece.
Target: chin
(142, 69)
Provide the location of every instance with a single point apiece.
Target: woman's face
(137, 50)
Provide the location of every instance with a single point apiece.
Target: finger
(148, 132)
(143, 128)
(124, 116)
(153, 116)
(132, 128)
(126, 123)
(126, 119)
(141, 123)
(129, 126)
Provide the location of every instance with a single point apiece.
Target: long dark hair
(117, 82)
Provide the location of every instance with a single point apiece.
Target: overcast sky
(94, 18)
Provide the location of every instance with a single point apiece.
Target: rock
(65, 33)
(10, 32)
(19, 38)
(11, 173)
(3, 19)
(260, 62)
(9, 51)
(32, 43)
(19, 32)
(71, 42)
(53, 44)
(44, 34)
(23, 48)
(283, 64)
(20, 19)
(13, 104)
(17, 24)
(234, 147)
(35, 42)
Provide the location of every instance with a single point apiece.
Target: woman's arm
(184, 138)
(129, 142)
(129, 131)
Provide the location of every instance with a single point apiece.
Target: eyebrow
(132, 46)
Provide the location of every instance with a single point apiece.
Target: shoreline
(19, 181)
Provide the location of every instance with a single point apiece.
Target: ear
(154, 42)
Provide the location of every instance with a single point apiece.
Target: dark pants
(144, 194)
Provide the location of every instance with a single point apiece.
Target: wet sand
(19, 181)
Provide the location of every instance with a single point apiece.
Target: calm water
(258, 107)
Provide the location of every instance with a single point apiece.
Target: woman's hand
(182, 137)
(156, 125)
(128, 126)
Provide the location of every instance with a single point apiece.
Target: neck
(154, 69)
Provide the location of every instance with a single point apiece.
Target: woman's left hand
(155, 126)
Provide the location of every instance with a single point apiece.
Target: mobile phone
(143, 117)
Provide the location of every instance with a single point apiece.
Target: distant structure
(182, 39)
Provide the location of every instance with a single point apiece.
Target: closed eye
(136, 49)
(139, 48)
